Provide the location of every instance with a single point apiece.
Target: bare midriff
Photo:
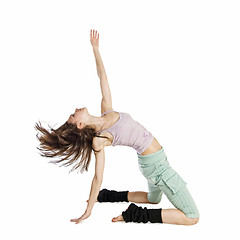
(154, 147)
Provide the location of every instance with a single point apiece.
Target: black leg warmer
(112, 196)
(139, 214)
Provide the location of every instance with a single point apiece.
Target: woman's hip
(156, 169)
(153, 164)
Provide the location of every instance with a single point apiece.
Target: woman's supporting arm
(96, 185)
(97, 180)
(95, 189)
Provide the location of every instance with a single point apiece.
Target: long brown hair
(67, 142)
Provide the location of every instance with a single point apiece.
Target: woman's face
(79, 116)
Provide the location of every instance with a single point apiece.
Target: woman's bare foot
(117, 219)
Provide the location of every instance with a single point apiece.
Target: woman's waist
(158, 156)
(153, 148)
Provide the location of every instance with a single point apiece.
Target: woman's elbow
(98, 178)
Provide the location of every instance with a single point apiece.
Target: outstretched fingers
(76, 220)
(94, 34)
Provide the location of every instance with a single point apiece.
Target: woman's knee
(192, 221)
(154, 197)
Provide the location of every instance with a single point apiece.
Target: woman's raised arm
(105, 89)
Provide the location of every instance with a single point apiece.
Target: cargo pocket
(173, 180)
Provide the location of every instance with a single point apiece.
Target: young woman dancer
(83, 133)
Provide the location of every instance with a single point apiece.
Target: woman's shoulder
(107, 111)
(101, 142)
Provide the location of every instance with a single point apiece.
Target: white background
(172, 65)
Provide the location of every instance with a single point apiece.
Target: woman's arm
(96, 185)
(97, 179)
(105, 89)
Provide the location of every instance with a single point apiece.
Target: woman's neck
(97, 123)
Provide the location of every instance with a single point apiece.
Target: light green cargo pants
(163, 179)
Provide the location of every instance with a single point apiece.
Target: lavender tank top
(128, 132)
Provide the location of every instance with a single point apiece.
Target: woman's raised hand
(94, 38)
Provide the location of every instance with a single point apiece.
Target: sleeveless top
(128, 132)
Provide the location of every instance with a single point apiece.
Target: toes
(116, 219)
